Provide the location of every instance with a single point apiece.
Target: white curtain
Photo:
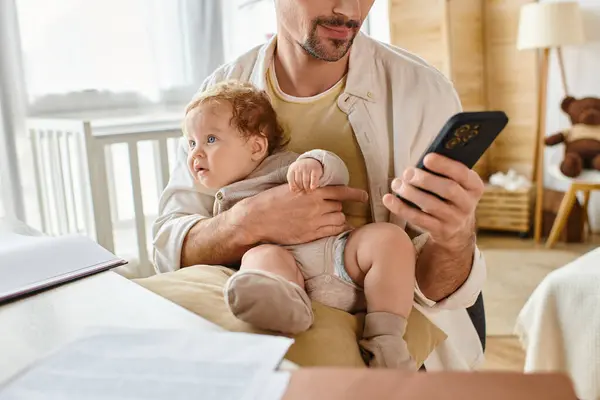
(582, 66)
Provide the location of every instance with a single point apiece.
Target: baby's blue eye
(192, 144)
(211, 139)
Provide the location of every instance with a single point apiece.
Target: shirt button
(370, 95)
(219, 196)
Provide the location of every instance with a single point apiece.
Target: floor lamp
(542, 27)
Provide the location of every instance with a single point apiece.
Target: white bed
(559, 326)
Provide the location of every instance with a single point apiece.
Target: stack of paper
(158, 364)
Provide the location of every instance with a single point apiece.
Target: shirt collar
(360, 79)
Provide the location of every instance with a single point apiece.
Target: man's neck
(300, 74)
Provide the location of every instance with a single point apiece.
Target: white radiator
(75, 173)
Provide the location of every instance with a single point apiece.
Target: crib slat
(84, 184)
(172, 147)
(34, 137)
(59, 189)
(112, 188)
(161, 158)
(68, 182)
(138, 206)
(46, 175)
(96, 168)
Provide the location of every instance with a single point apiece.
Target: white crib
(74, 173)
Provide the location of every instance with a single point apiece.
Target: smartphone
(464, 138)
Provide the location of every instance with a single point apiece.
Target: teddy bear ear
(567, 101)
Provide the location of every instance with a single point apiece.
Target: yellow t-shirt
(318, 123)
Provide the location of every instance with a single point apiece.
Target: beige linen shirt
(396, 104)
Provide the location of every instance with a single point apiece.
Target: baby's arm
(306, 174)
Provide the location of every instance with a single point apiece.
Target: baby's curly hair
(252, 111)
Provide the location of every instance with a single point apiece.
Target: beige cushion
(331, 341)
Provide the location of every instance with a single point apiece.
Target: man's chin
(327, 53)
(331, 49)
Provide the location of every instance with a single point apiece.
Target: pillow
(331, 341)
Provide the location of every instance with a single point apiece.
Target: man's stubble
(314, 46)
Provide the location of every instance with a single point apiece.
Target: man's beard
(322, 51)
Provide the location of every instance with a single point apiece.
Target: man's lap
(331, 341)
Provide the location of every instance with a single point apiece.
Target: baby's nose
(197, 152)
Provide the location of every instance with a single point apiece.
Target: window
(80, 55)
(379, 21)
(248, 23)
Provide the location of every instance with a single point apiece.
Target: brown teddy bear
(582, 140)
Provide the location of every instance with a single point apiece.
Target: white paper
(157, 364)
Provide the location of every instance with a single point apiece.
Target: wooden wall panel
(418, 26)
(449, 35)
(473, 42)
(465, 30)
(511, 86)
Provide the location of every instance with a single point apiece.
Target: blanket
(559, 326)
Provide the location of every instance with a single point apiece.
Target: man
(378, 108)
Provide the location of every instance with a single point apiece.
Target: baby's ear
(260, 147)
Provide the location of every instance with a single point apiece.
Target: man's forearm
(220, 240)
(442, 270)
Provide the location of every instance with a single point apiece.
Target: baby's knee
(265, 252)
(275, 259)
(387, 234)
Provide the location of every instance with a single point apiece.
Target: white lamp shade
(550, 24)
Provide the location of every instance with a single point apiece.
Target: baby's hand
(304, 174)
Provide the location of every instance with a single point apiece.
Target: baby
(236, 146)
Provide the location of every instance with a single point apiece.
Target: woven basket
(504, 210)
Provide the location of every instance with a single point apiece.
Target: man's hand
(283, 217)
(445, 261)
(449, 223)
(304, 175)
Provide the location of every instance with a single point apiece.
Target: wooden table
(349, 384)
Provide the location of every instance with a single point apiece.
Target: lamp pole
(539, 145)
